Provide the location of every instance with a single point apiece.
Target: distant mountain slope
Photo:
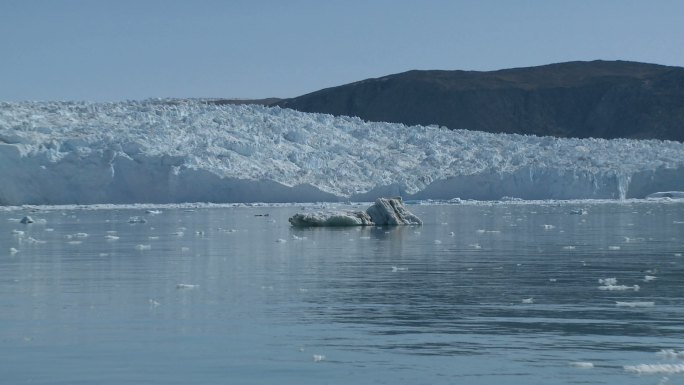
(602, 99)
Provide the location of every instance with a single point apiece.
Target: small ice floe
(142, 247)
(75, 242)
(281, 240)
(13, 251)
(553, 280)
(33, 241)
(318, 357)
(365, 237)
(549, 227)
(480, 231)
(655, 368)
(103, 254)
(186, 286)
(396, 269)
(437, 242)
(670, 354)
(49, 229)
(619, 287)
(111, 237)
(568, 247)
(634, 303)
(153, 237)
(649, 278)
(153, 303)
(199, 233)
(452, 234)
(528, 300)
(153, 212)
(26, 220)
(179, 233)
(18, 233)
(610, 284)
(677, 254)
(185, 249)
(136, 219)
(579, 211)
(613, 247)
(81, 235)
(475, 245)
(296, 238)
(582, 364)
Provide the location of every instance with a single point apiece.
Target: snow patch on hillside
(165, 151)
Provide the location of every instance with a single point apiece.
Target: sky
(111, 50)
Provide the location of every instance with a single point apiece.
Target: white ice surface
(167, 151)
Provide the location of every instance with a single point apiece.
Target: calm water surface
(504, 294)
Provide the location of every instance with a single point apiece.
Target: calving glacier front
(164, 151)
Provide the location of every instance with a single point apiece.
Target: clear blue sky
(135, 49)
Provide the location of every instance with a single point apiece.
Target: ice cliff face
(163, 151)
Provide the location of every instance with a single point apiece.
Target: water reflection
(498, 294)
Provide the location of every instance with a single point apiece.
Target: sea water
(480, 294)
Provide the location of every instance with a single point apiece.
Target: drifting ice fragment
(13, 251)
(635, 304)
(136, 220)
(186, 286)
(671, 353)
(655, 368)
(579, 212)
(582, 365)
(26, 220)
(619, 287)
(608, 281)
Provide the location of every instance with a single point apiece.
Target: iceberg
(385, 211)
(174, 151)
(391, 211)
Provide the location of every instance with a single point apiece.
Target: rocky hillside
(601, 99)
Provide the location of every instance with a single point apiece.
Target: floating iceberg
(26, 220)
(385, 211)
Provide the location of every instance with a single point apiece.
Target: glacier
(174, 151)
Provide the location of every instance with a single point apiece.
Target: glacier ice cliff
(167, 151)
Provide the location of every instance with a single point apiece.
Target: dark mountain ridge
(602, 99)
